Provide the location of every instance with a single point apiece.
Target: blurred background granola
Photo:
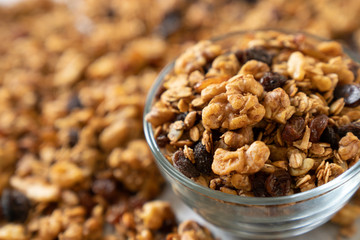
(74, 76)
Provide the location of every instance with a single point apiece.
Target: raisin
(241, 56)
(317, 127)
(105, 188)
(352, 127)
(74, 103)
(170, 23)
(272, 80)
(330, 136)
(86, 200)
(162, 140)
(350, 93)
(181, 116)
(278, 183)
(259, 54)
(203, 159)
(258, 184)
(354, 68)
(184, 165)
(294, 129)
(15, 206)
(73, 137)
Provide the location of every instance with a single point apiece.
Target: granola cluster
(274, 115)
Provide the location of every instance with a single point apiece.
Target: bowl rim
(218, 195)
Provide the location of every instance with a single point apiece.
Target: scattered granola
(248, 115)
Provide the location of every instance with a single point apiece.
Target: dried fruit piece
(330, 136)
(162, 140)
(184, 165)
(15, 206)
(294, 129)
(203, 159)
(105, 188)
(278, 183)
(317, 127)
(352, 127)
(258, 184)
(272, 80)
(170, 23)
(350, 93)
(259, 54)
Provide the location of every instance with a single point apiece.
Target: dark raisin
(259, 54)
(181, 116)
(258, 184)
(15, 206)
(105, 188)
(294, 129)
(241, 56)
(184, 165)
(73, 137)
(354, 68)
(203, 159)
(350, 93)
(330, 136)
(74, 103)
(352, 127)
(86, 200)
(317, 127)
(278, 183)
(272, 80)
(170, 23)
(162, 140)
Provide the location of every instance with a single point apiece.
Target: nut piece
(296, 66)
(65, 174)
(155, 213)
(296, 157)
(36, 189)
(239, 138)
(307, 164)
(349, 147)
(245, 160)
(12, 232)
(255, 68)
(190, 230)
(277, 106)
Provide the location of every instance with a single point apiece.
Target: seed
(350, 93)
(259, 54)
(15, 206)
(170, 23)
(317, 127)
(278, 183)
(272, 80)
(203, 159)
(294, 129)
(184, 165)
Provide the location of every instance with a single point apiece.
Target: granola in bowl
(271, 115)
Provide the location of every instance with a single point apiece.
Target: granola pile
(73, 79)
(274, 115)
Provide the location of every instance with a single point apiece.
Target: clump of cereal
(276, 120)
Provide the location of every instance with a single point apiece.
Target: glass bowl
(255, 217)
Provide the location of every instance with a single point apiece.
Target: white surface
(327, 231)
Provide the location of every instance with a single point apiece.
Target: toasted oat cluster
(273, 115)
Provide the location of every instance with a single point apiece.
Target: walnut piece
(349, 147)
(245, 160)
(277, 106)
